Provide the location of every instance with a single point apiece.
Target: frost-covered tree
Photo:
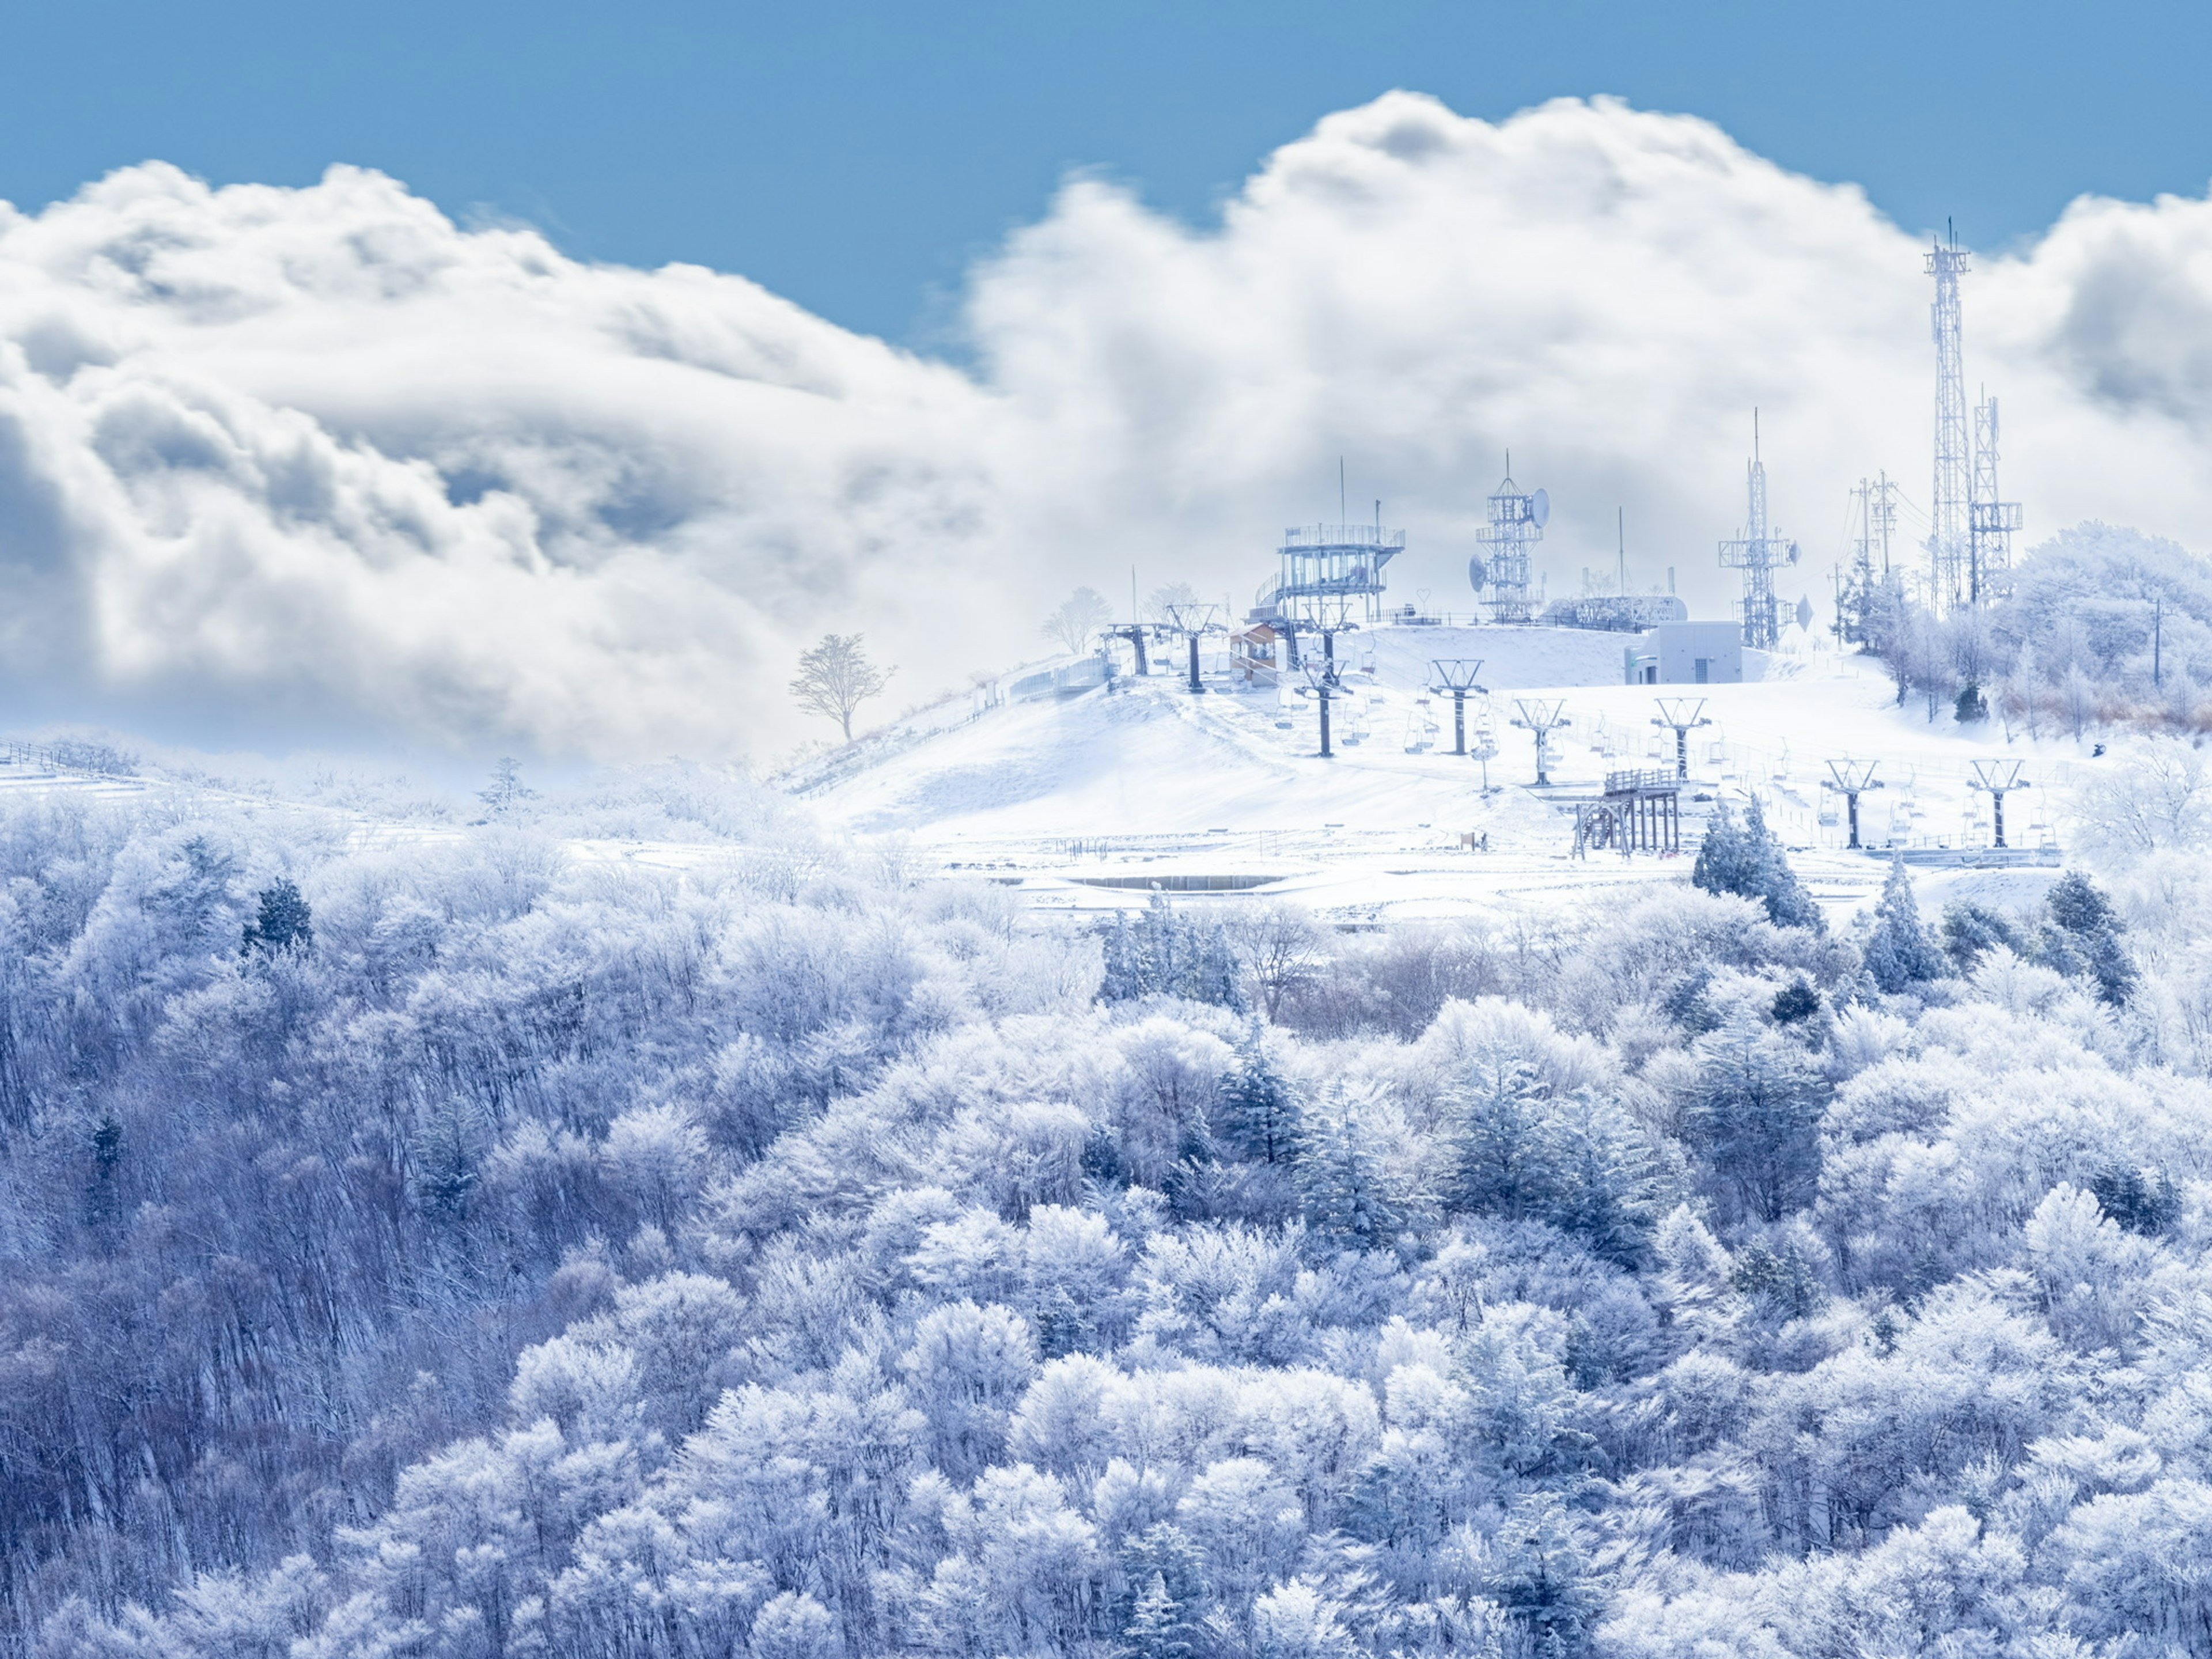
(788, 1259)
(1746, 858)
(1166, 953)
(1899, 952)
(1082, 614)
(836, 677)
(1348, 1203)
(1259, 1107)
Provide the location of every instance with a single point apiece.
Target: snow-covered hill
(1087, 801)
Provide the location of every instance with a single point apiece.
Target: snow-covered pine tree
(1259, 1109)
(1166, 954)
(1900, 954)
(1345, 1203)
(284, 922)
(1748, 860)
(2084, 936)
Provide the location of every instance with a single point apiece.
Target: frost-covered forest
(464, 1248)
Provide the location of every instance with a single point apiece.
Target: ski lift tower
(1456, 675)
(1850, 779)
(1999, 778)
(1191, 621)
(1516, 523)
(1136, 633)
(1543, 716)
(1682, 715)
(1755, 553)
(1323, 685)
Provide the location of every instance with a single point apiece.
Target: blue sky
(857, 157)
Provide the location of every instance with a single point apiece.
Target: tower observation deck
(1332, 573)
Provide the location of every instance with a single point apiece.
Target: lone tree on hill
(1073, 623)
(835, 678)
(506, 790)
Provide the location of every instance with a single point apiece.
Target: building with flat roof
(1687, 653)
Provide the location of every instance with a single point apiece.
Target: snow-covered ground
(1086, 802)
(1150, 783)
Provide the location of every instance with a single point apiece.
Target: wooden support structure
(1640, 813)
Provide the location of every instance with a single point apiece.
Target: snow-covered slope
(1150, 782)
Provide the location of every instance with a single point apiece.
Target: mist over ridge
(280, 464)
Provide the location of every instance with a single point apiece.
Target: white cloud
(291, 462)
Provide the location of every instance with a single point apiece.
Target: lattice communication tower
(1756, 552)
(1949, 551)
(1990, 522)
(1500, 571)
(1969, 530)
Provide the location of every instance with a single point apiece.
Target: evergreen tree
(285, 923)
(1346, 1205)
(1900, 954)
(1166, 1578)
(1796, 1001)
(1971, 931)
(1258, 1111)
(1157, 1628)
(1507, 1163)
(1753, 1115)
(2084, 937)
(1748, 861)
(2142, 1200)
(1166, 954)
(1722, 866)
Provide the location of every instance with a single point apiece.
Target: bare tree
(1157, 601)
(1075, 622)
(835, 678)
(1278, 944)
(2077, 695)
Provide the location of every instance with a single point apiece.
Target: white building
(1687, 653)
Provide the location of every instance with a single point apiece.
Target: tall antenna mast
(1990, 522)
(1621, 533)
(1755, 553)
(1949, 550)
(1517, 518)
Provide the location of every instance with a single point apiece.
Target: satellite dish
(1478, 574)
(1540, 507)
(1805, 614)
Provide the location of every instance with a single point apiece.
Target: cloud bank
(290, 466)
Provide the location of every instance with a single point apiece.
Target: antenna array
(1517, 518)
(1969, 530)
(1756, 553)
